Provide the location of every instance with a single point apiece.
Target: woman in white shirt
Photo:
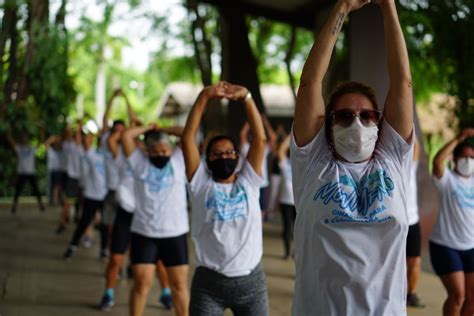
(26, 169)
(287, 202)
(349, 180)
(95, 190)
(226, 224)
(160, 221)
(452, 238)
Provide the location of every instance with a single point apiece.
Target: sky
(125, 23)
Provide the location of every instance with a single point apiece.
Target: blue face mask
(159, 161)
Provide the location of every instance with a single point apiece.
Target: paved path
(35, 281)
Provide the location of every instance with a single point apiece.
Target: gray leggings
(212, 293)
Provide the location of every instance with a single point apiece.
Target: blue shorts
(447, 260)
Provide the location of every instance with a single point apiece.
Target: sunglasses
(345, 117)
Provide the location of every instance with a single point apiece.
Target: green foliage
(441, 49)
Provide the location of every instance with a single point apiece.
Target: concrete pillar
(238, 64)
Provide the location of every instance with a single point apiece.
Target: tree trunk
(38, 15)
(238, 64)
(8, 14)
(11, 82)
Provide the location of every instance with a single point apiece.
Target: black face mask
(222, 168)
(159, 161)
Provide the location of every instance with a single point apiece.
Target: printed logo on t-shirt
(227, 207)
(361, 201)
(159, 179)
(464, 196)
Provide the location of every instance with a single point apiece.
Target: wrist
(247, 96)
(345, 6)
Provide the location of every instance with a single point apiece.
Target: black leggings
(20, 183)
(88, 214)
(288, 215)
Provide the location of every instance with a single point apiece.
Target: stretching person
(269, 148)
(55, 166)
(287, 202)
(349, 180)
(95, 190)
(26, 169)
(125, 196)
(73, 151)
(452, 239)
(160, 221)
(413, 248)
(226, 223)
(112, 160)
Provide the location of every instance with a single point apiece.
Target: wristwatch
(247, 97)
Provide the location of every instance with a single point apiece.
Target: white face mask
(465, 166)
(355, 143)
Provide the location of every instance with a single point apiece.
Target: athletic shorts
(121, 232)
(414, 241)
(172, 251)
(58, 179)
(110, 208)
(447, 260)
(72, 188)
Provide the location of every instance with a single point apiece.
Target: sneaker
(166, 300)
(107, 303)
(414, 301)
(87, 242)
(69, 253)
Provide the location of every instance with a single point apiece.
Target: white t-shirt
(62, 160)
(286, 187)
(412, 196)
(243, 155)
(454, 227)
(93, 174)
(73, 153)
(125, 193)
(26, 159)
(227, 221)
(161, 205)
(351, 228)
(53, 159)
(111, 167)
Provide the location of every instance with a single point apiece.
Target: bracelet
(247, 97)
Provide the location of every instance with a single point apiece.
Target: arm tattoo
(339, 22)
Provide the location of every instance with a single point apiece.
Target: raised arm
(108, 109)
(272, 136)
(113, 142)
(447, 150)
(129, 135)
(78, 133)
(51, 139)
(10, 139)
(131, 114)
(310, 108)
(188, 143)
(283, 149)
(256, 152)
(398, 110)
(174, 130)
(244, 133)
